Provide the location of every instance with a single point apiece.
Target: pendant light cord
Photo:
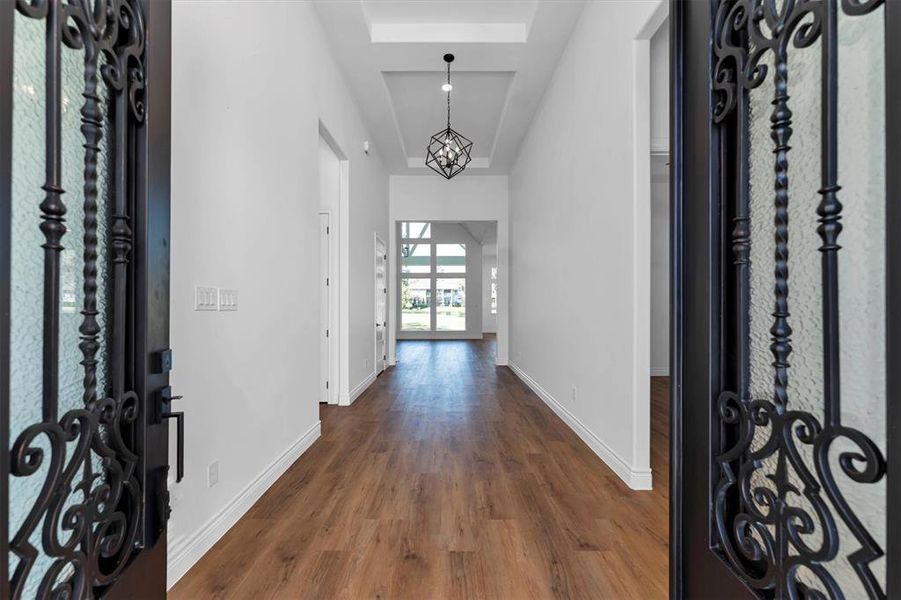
(448, 96)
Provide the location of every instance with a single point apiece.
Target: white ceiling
(391, 54)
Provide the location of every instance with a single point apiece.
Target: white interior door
(324, 307)
(381, 304)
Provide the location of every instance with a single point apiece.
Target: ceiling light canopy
(448, 152)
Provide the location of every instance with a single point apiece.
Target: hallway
(448, 478)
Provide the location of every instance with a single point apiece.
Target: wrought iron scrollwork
(89, 506)
(761, 526)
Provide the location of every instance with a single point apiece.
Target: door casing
(380, 359)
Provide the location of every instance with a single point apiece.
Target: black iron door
(84, 260)
(786, 360)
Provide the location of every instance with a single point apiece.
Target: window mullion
(433, 276)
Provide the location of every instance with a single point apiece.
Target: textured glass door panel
(804, 382)
(83, 444)
(786, 262)
(862, 317)
(27, 257)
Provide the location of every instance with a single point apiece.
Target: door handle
(166, 412)
(179, 417)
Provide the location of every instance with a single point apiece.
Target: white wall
(579, 196)
(452, 233)
(464, 198)
(245, 197)
(660, 202)
(489, 260)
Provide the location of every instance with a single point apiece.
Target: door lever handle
(179, 417)
(166, 412)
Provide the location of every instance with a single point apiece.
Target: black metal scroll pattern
(88, 524)
(768, 537)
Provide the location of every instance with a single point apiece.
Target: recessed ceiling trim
(475, 163)
(500, 124)
(449, 33)
(394, 116)
(401, 105)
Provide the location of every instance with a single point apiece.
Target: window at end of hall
(433, 280)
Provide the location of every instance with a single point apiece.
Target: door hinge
(326, 333)
(326, 385)
(326, 230)
(385, 256)
(385, 290)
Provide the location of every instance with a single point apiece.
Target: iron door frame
(700, 353)
(7, 15)
(145, 573)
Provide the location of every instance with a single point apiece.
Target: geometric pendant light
(448, 152)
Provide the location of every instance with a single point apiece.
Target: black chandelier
(448, 152)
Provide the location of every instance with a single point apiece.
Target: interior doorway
(660, 217)
(659, 255)
(325, 309)
(659, 258)
(381, 304)
(330, 189)
(444, 279)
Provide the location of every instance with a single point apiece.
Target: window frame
(433, 275)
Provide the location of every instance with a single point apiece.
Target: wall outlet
(206, 298)
(212, 474)
(228, 299)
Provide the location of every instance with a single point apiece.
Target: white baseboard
(659, 371)
(637, 479)
(185, 552)
(348, 399)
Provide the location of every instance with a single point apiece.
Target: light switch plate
(206, 298)
(228, 299)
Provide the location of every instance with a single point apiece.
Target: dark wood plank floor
(448, 478)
